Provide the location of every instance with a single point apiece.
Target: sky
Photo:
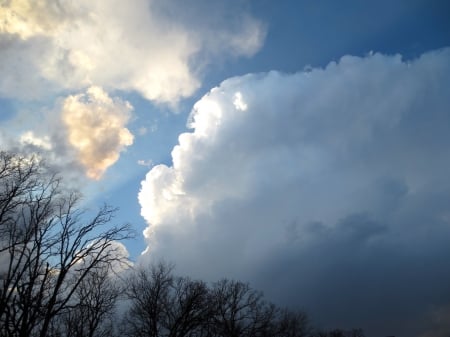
(301, 146)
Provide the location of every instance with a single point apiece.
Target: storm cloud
(327, 188)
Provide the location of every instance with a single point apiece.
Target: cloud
(327, 188)
(54, 49)
(144, 45)
(147, 163)
(29, 138)
(29, 18)
(81, 135)
(440, 323)
(95, 126)
(118, 256)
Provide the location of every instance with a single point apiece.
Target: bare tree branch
(48, 246)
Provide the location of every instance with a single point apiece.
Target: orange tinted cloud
(95, 125)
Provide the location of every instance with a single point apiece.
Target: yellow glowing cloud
(96, 129)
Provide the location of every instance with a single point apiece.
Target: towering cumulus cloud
(143, 45)
(327, 188)
(96, 129)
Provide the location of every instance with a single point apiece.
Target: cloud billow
(143, 45)
(95, 126)
(327, 188)
(83, 135)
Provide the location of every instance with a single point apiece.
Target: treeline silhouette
(63, 274)
(161, 304)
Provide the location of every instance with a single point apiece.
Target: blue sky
(299, 145)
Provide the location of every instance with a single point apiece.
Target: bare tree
(340, 333)
(290, 323)
(240, 311)
(187, 309)
(164, 305)
(91, 312)
(47, 247)
(147, 291)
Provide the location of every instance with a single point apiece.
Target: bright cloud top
(291, 181)
(136, 45)
(96, 129)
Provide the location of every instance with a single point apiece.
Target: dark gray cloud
(328, 189)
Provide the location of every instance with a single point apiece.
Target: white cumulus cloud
(143, 45)
(328, 188)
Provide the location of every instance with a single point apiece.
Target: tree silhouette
(161, 304)
(47, 248)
